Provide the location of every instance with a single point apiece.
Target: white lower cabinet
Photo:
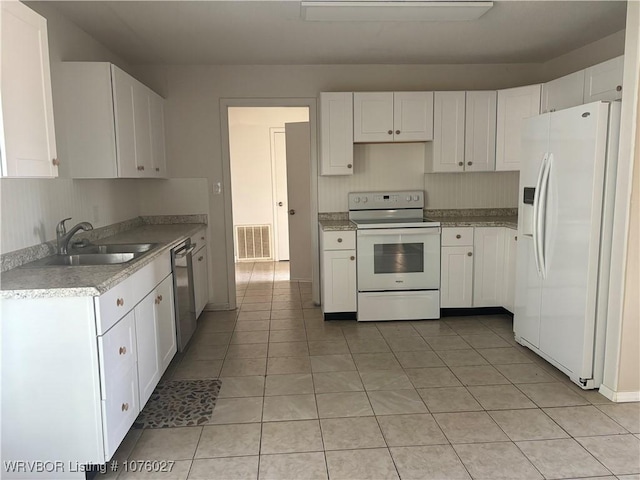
(87, 367)
(338, 271)
(478, 267)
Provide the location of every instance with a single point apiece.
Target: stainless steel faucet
(63, 237)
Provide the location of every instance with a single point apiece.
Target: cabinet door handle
(349, 165)
(201, 238)
(397, 132)
(56, 162)
(390, 132)
(122, 350)
(460, 164)
(352, 257)
(339, 240)
(200, 258)
(458, 236)
(619, 88)
(140, 168)
(125, 407)
(469, 254)
(157, 169)
(515, 238)
(120, 302)
(469, 163)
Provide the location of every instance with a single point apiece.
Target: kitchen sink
(96, 255)
(115, 248)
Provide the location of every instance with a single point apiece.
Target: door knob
(280, 204)
(292, 212)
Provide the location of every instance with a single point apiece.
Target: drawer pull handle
(122, 350)
(390, 132)
(460, 164)
(469, 254)
(200, 258)
(120, 302)
(339, 240)
(458, 236)
(352, 257)
(125, 407)
(397, 132)
(469, 163)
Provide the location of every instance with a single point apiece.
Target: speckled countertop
(336, 225)
(82, 281)
(510, 221)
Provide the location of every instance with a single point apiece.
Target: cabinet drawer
(457, 236)
(345, 240)
(117, 352)
(200, 239)
(114, 304)
(119, 411)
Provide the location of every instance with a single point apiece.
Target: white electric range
(398, 256)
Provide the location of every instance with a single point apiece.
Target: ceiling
(272, 32)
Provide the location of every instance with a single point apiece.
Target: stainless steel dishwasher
(184, 300)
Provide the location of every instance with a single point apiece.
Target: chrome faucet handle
(61, 229)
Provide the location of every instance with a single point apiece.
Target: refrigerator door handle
(536, 211)
(542, 212)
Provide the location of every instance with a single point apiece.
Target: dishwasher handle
(184, 251)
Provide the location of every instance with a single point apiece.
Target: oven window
(398, 258)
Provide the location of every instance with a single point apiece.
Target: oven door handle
(376, 232)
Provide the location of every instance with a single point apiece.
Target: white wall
(471, 190)
(250, 150)
(176, 196)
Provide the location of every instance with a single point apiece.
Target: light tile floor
(455, 398)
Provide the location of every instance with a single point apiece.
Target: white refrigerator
(565, 215)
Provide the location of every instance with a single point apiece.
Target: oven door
(398, 259)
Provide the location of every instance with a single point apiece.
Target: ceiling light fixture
(392, 11)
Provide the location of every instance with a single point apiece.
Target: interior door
(281, 204)
(298, 152)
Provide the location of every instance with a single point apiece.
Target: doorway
(260, 181)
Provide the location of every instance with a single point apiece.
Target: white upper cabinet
(393, 117)
(336, 133)
(514, 105)
(448, 132)
(563, 92)
(112, 125)
(480, 132)
(604, 81)
(27, 137)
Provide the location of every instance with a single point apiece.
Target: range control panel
(386, 200)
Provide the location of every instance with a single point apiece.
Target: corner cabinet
(27, 135)
(112, 126)
(563, 92)
(336, 133)
(97, 358)
(514, 105)
(338, 271)
(392, 117)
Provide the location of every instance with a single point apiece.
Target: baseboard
(619, 397)
(464, 312)
(216, 307)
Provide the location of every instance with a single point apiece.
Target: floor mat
(180, 403)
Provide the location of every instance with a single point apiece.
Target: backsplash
(402, 167)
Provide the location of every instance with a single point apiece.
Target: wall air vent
(253, 242)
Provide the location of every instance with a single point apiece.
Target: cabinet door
(336, 133)
(123, 108)
(158, 150)
(448, 131)
(412, 116)
(27, 139)
(456, 270)
(142, 130)
(200, 280)
(488, 247)
(166, 324)
(373, 117)
(604, 81)
(514, 105)
(563, 92)
(480, 132)
(339, 281)
(147, 346)
(509, 275)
